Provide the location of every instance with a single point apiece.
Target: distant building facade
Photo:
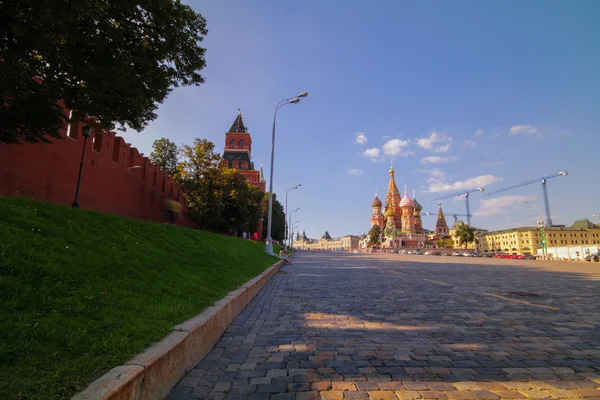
(456, 241)
(326, 242)
(527, 240)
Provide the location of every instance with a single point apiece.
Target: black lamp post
(86, 131)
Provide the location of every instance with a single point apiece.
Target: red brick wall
(48, 172)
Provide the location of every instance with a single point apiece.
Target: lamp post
(291, 100)
(292, 233)
(86, 131)
(290, 224)
(286, 208)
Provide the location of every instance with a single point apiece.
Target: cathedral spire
(392, 188)
(238, 124)
(441, 220)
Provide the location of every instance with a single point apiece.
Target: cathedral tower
(377, 217)
(441, 228)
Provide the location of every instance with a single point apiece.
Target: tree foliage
(278, 219)
(465, 235)
(164, 155)
(115, 60)
(219, 199)
(374, 234)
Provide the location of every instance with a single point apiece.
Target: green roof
(239, 156)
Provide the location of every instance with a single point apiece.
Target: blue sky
(455, 94)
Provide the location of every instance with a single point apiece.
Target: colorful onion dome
(407, 201)
(390, 213)
(376, 202)
(418, 206)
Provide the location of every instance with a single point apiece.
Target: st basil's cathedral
(401, 220)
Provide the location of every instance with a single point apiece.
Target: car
(593, 257)
(437, 253)
(428, 253)
(447, 254)
(418, 252)
(465, 254)
(457, 254)
(517, 257)
(487, 255)
(529, 257)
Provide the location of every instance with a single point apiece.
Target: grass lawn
(82, 292)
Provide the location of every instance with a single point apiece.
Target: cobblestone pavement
(365, 326)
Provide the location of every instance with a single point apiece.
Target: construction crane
(465, 193)
(453, 215)
(542, 179)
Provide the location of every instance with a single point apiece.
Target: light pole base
(269, 247)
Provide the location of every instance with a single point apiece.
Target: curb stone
(153, 373)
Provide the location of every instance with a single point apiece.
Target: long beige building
(327, 243)
(527, 240)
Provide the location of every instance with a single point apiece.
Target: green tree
(116, 60)
(164, 155)
(196, 160)
(278, 223)
(465, 235)
(440, 243)
(374, 234)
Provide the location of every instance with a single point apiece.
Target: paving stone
(331, 395)
(330, 319)
(308, 395)
(433, 394)
(407, 394)
(382, 396)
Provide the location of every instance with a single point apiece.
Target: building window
(232, 143)
(242, 143)
(224, 163)
(236, 164)
(245, 164)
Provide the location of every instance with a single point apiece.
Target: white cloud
(360, 138)
(436, 185)
(524, 129)
(395, 147)
(467, 143)
(354, 171)
(501, 204)
(374, 154)
(478, 133)
(436, 173)
(438, 159)
(437, 142)
(492, 164)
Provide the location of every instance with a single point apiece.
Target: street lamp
(86, 131)
(294, 225)
(287, 228)
(290, 224)
(291, 100)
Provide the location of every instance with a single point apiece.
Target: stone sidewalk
(363, 326)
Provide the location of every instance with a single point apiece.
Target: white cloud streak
(501, 205)
(438, 185)
(354, 171)
(467, 143)
(524, 129)
(395, 147)
(478, 133)
(438, 159)
(436, 142)
(360, 138)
